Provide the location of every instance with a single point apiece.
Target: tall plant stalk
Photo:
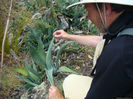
(5, 33)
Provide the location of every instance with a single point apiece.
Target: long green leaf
(38, 54)
(34, 67)
(66, 69)
(49, 74)
(28, 72)
(60, 51)
(22, 71)
(26, 86)
(32, 76)
(26, 80)
(49, 64)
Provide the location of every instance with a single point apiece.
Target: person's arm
(84, 40)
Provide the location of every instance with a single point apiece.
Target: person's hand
(54, 93)
(61, 34)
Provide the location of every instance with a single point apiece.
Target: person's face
(93, 15)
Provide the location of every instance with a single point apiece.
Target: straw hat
(121, 2)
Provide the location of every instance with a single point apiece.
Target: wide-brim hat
(120, 2)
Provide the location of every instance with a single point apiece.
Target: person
(113, 71)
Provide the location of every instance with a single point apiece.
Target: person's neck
(113, 17)
(121, 21)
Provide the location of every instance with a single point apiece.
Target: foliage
(93, 29)
(60, 51)
(36, 47)
(46, 63)
(35, 5)
(76, 16)
(50, 68)
(16, 30)
(46, 18)
(20, 17)
(8, 82)
(31, 75)
(75, 47)
(56, 15)
(3, 13)
(36, 20)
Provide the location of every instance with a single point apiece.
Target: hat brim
(124, 2)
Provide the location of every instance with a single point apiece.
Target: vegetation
(31, 32)
(3, 14)
(33, 77)
(40, 37)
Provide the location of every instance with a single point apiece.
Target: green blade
(49, 74)
(38, 55)
(26, 80)
(49, 65)
(49, 61)
(66, 69)
(22, 71)
(34, 76)
(60, 51)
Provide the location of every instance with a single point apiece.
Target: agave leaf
(27, 4)
(60, 51)
(40, 45)
(22, 71)
(35, 34)
(26, 86)
(49, 65)
(49, 74)
(66, 69)
(46, 25)
(34, 67)
(54, 13)
(36, 50)
(38, 55)
(32, 76)
(33, 70)
(49, 62)
(26, 80)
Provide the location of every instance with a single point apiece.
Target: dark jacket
(114, 68)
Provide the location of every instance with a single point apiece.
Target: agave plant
(31, 75)
(45, 60)
(50, 68)
(35, 5)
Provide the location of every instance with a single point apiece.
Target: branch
(5, 33)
